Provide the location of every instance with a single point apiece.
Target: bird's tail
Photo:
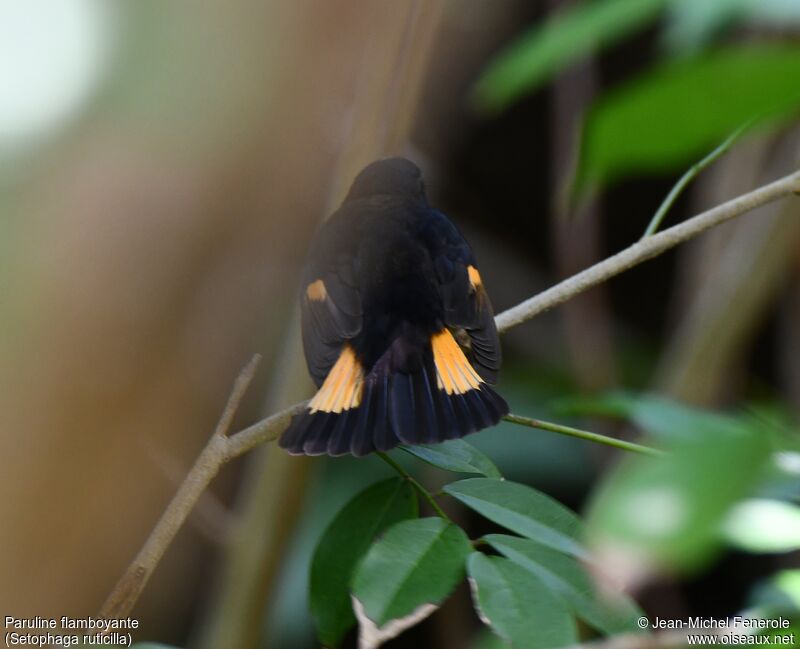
(414, 394)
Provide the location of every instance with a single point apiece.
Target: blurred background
(163, 166)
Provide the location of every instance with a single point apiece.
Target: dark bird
(390, 290)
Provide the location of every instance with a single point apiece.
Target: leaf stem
(417, 485)
(696, 169)
(583, 434)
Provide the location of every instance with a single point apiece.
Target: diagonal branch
(646, 249)
(211, 459)
(221, 448)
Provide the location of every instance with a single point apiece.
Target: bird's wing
(331, 309)
(466, 303)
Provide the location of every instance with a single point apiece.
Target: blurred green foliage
(673, 111)
(761, 525)
(548, 48)
(778, 595)
(678, 110)
(672, 508)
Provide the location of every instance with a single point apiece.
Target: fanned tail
(415, 394)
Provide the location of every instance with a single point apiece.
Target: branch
(221, 448)
(214, 455)
(646, 249)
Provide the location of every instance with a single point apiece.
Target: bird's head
(390, 176)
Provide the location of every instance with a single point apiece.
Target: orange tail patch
(343, 387)
(474, 278)
(454, 374)
(316, 291)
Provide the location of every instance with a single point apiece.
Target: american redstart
(398, 329)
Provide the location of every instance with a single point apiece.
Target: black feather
(402, 407)
(449, 427)
(496, 405)
(383, 437)
(292, 438)
(464, 423)
(361, 438)
(428, 426)
(318, 433)
(340, 436)
(480, 414)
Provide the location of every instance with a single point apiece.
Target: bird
(397, 326)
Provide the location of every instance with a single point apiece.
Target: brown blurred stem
(575, 232)
(221, 448)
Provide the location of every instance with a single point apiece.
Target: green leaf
(669, 509)
(780, 593)
(673, 114)
(764, 526)
(455, 455)
(523, 510)
(416, 562)
(342, 545)
(563, 39)
(517, 605)
(610, 614)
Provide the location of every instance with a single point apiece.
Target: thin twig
(582, 434)
(266, 430)
(237, 394)
(127, 590)
(695, 170)
(419, 487)
(220, 449)
(646, 249)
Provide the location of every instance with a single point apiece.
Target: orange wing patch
(343, 386)
(316, 291)
(453, 371)
(474, 278)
